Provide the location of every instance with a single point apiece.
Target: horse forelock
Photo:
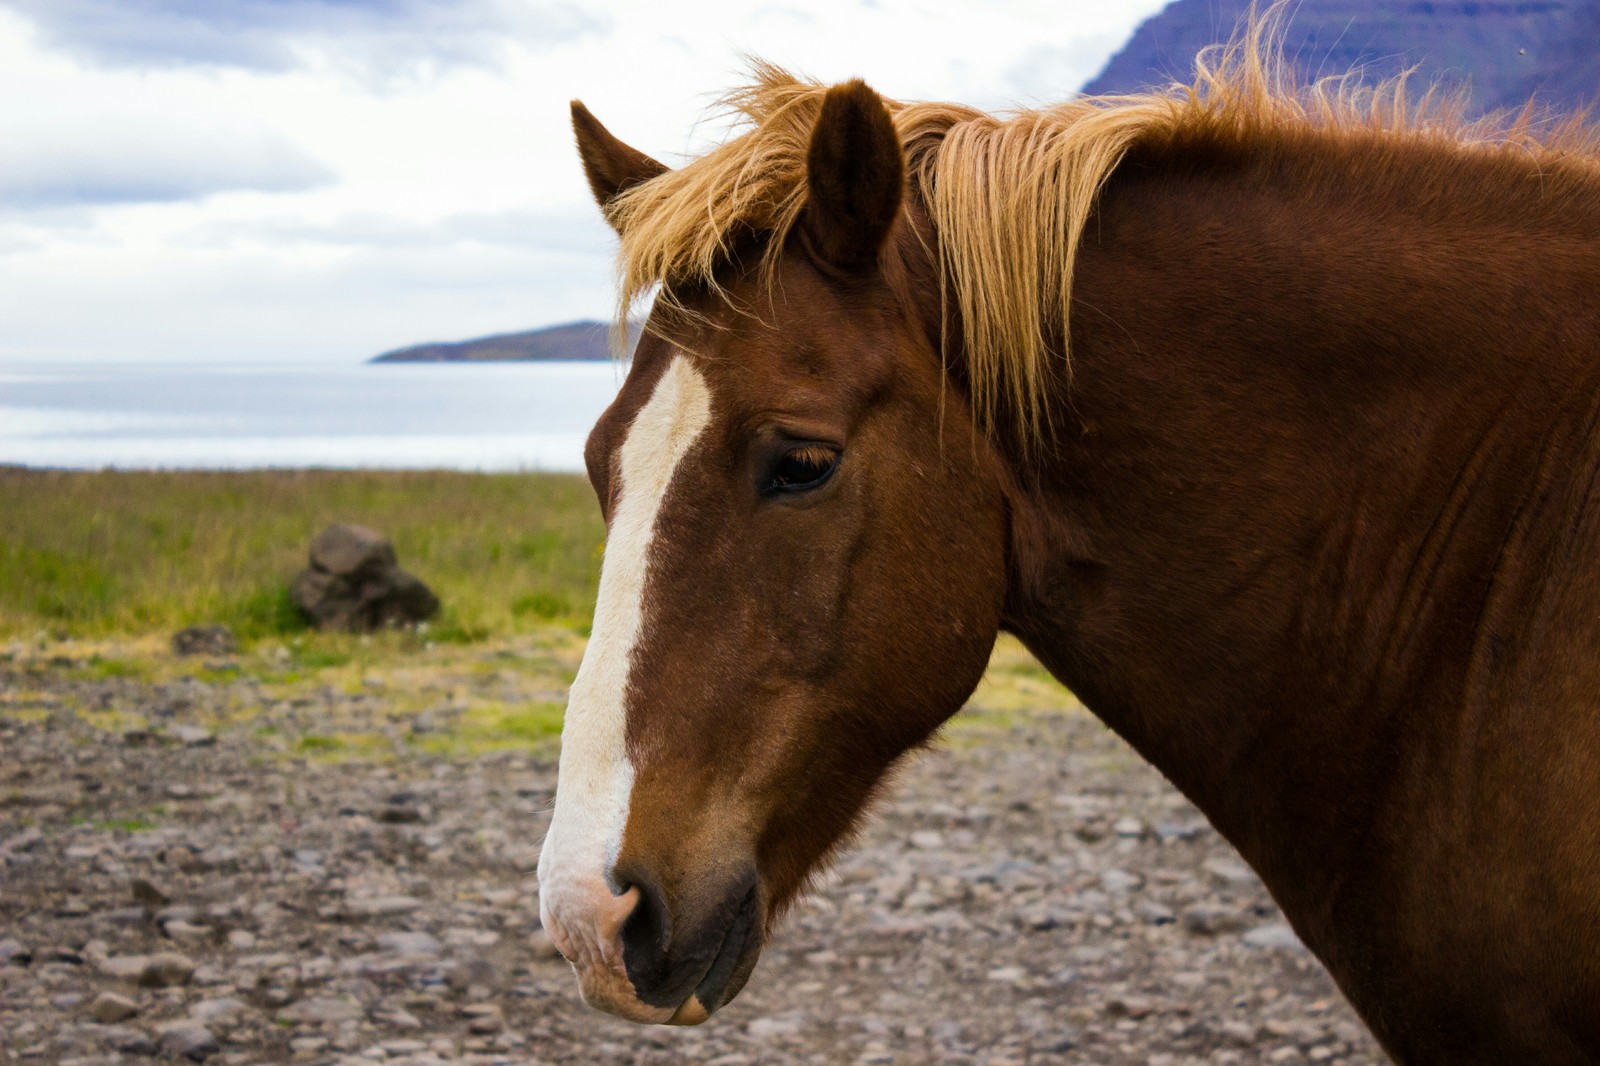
(1009, 196)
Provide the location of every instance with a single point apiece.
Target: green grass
(119, 553)
(496, 727)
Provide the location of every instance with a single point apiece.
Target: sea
(458, 416)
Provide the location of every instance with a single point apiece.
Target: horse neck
(1308, 405)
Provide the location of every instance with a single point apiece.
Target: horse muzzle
(647, 959)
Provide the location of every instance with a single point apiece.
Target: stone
(483, 1018)
(204, 640)
(355, 584)
(408, 943)
(127, 1040)
(1208, 920)
(321, 1010)
(192, 736)
(166, 970)
(13, 953)
(1275, 935)
(26, 840)
(187, 932)
(188, 1039)
(1229, 871)
(379, 906)
(108, 1008)
(222, 1011)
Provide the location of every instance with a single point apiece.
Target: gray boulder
(355, 584)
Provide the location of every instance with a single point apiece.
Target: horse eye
(803, 468)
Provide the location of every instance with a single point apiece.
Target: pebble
(189, 1040)
(1273, 935)
(321, 1010)
(409, 943)
(165, 970)
(108, 1007)
(382, 906)
(1031, 894)
(1229, 871)
(221, 1012)
(192, 736)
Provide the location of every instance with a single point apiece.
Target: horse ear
(856, 173)
(610, 165)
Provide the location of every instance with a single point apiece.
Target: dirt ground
(213, 862)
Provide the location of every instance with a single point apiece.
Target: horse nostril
(646, 934)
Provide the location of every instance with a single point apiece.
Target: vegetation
(88, 555)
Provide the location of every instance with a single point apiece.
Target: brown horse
(1308, 517)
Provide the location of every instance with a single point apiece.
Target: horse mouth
(730, 968)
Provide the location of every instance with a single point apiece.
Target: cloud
(99, 163)
(1049, 73)
(577, 232)
(375, 39)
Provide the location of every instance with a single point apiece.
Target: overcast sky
(255, 180)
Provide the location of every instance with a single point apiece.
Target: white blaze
(596, 776)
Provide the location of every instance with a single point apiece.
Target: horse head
(804, 573)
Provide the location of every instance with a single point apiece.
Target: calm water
(506, 416)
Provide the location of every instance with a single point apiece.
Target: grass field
(85, 555)
(97, 570)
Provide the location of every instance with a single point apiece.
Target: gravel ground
(185, 875)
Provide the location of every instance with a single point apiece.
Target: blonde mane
(1009, 196)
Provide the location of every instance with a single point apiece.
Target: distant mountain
(1508, 51)
(571, 340)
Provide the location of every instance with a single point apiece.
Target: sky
(322, 180)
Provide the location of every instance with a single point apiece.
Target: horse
(1266, 415)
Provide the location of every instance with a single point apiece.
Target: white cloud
(290, 210)
(383, 39)
(140, 161)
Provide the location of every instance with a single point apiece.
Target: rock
(408, 943)
(1229, 871)
(108, 1007)
(187, 932)
(321, 1010)
(147, 895)
(379, 906)
(1156, 913)
(26, 840)
(355, 584)
(482, 1018)
(189, 1040)
(127, 1040)
(1208, 920)
(399, 814)
(192, 736)
(13, 953)
(204, 640)
(166, 970)
(1275, 935)
(222, 1011)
